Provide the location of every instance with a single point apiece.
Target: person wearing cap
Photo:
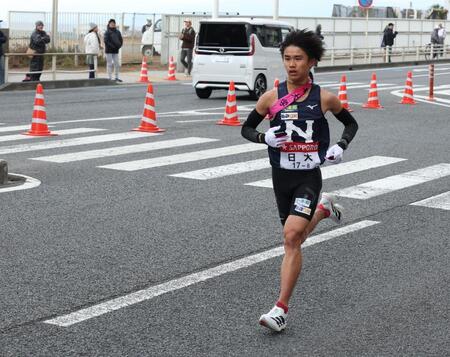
(38, 41)
(92, 48)
(188, 37)
(2, 57)
(113, 42)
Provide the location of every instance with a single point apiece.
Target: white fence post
(54, 67)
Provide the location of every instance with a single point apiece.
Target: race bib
(299, 156)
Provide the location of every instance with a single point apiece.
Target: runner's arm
(256, 117)
(333, 104)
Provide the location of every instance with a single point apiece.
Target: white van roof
(247, 20)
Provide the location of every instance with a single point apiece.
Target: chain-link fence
(73, 26)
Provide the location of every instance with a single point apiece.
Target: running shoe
(275, 319)
(333, 210)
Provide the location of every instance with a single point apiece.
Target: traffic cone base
(149, 130)
(231, 117)
(39, 125)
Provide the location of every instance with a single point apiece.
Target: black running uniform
(296, 176)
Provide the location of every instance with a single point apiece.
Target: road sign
(365, 3)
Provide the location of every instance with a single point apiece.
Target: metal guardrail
(53, 69)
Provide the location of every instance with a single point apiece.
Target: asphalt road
(88, 235)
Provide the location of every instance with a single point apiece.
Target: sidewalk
(127, 76)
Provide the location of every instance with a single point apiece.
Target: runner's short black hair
(308, 41)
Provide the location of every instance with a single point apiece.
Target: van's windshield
(225, 35)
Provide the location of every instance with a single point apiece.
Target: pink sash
(288, 99)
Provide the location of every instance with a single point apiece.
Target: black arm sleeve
(351, 127)
(249, 128)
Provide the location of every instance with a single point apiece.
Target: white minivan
(245, 51)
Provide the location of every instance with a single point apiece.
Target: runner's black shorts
(297, 192)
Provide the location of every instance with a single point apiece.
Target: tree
(437, 11)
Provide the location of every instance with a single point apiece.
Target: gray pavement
(87, 235)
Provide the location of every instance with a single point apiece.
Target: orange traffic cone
(231, 116)
(172, 66)
(148, 120)
(342, 95)
(144, 73)
(408, 95)
(39, 120)
(276, 83)
(372, 102)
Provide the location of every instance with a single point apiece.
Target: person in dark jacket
(113, 42)
(2, 57)
(38, 41)
(188, 37)
(388, 40)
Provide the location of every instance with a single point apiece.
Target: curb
(70, 83)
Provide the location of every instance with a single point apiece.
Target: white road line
(423, 99)
(59, 132)
(61, 143)
(225, 170)
(435, 74)
(195, 278)
(337, 85)
(30, 182)
(441, 201)
(416, 87)
(343, 169)
(183, 158)
(123, 150)
(426, 69)
(379, 85)
(200, 120)
(16, 128)
(393, 183)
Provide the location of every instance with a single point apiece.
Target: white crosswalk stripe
(441, 201)
(5, 129)
(226, 170)
(123, 150)
(393, 183)
(183, 158)
(14, 137)
(60, 143)
(344, 168)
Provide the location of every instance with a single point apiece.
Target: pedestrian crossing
(208, 157)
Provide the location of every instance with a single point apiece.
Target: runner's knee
(293, 237)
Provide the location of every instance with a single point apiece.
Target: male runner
(298, 141)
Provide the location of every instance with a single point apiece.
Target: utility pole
(53, 39)
(276, 5)
(215, 12)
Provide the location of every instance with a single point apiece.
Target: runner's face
(297, 63)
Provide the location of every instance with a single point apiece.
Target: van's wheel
(203, 93)
(148, 51)
(260, 87)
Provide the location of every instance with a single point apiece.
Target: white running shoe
(335, 210)
(275, 319)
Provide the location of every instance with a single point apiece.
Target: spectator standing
(92, 47)
(2, 57)
(319, 32)
(188, 37)
(388, 40)
(435, 41)
(113, 42)
(147, 26)
(441, 38)
(38, 42)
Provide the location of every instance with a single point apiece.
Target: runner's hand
(334, 154)
(274, 139)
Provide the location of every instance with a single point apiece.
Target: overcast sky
(321, 8)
